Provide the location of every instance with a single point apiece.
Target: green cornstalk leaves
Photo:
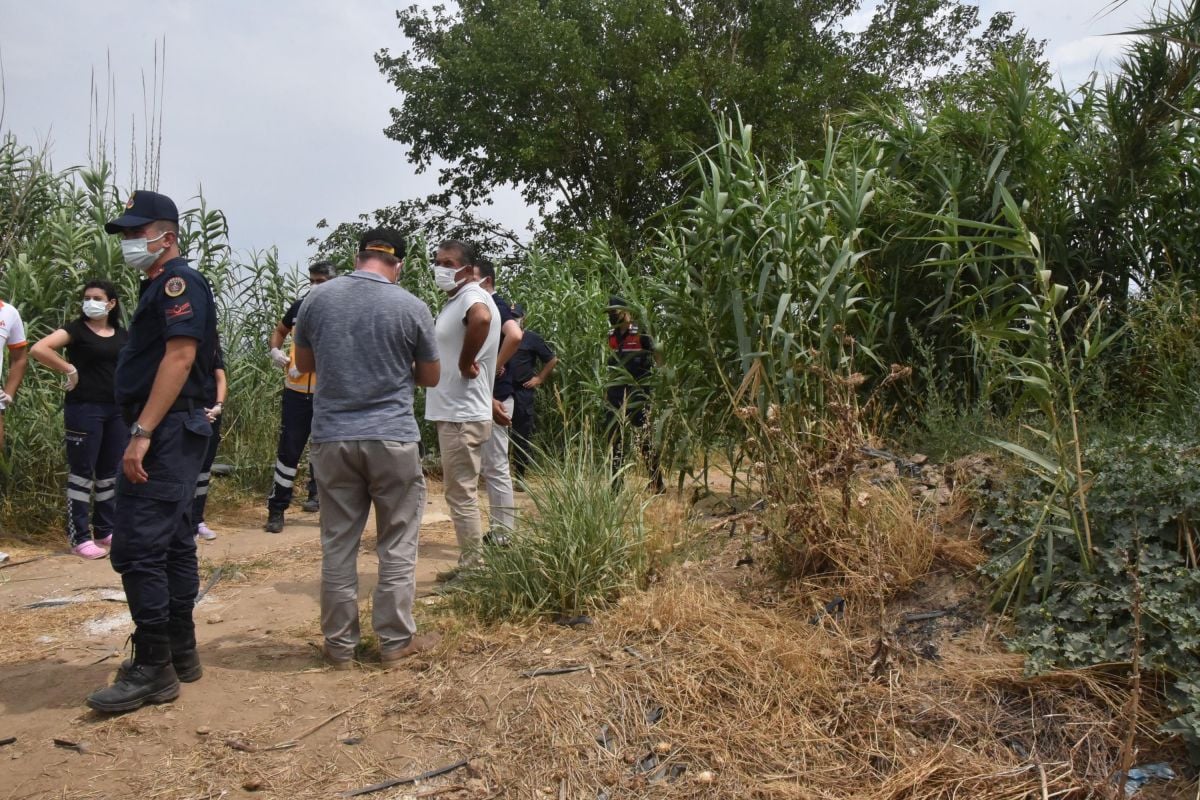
(1045, 345)
(51, 242)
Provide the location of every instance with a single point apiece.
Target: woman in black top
(96, 434)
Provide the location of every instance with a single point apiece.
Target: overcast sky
(277, 109)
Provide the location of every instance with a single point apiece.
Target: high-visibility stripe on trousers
(296, 426)
(200, 496)
(96, 437)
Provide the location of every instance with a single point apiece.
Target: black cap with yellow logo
(382, 240)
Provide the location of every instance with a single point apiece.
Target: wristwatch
(138, 430)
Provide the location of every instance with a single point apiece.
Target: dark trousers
(297, 411)
(629, 416)
(154, 548)
(200, 499)
(96, 438)
(524, 423)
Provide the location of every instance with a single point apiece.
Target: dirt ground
(256, 629)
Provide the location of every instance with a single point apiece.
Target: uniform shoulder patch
(175, 286)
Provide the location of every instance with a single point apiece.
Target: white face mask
(95, 309)
(137, 252)
(445, 278)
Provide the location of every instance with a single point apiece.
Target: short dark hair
(164, 226)
(486, 269)
(466, 251)
(324, 268)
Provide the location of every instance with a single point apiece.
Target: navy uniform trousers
(154, 549)
(524, 423)
(297, 413)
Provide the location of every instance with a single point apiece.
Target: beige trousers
(461, 444)
(351, 477)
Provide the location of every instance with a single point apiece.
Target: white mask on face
(95, 309)
(445, 278)
(137, 252)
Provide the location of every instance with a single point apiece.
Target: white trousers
(497, 477)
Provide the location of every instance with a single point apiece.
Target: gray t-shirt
(365, 334)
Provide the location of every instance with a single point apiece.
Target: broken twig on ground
(212, 581)
(424, 776)
(538, 673)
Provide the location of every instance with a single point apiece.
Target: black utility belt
(131, 411)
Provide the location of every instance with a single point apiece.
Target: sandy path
(255, 630)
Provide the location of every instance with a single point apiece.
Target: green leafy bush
(1144, 499)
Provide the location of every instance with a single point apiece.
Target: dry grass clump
(31, 635)
(865, 541)
(757, 705)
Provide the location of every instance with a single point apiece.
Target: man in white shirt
(12, 339)
(468, 338)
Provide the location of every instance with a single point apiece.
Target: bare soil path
(256, 629)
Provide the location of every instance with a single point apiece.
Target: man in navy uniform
(161, 381)
(526, 377)
(632, 356)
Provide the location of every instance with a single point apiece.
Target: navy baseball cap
(143, 207)
(518, 311)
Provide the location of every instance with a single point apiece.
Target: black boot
(184, 657)
(274, 522)
(150, 678)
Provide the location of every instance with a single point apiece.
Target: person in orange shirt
(297, 411)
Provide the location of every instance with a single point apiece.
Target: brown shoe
(332, 661)
(447, 575)
(417, 644)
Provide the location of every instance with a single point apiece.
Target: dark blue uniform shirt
(523, 365)
(176, 302)
(502, 389)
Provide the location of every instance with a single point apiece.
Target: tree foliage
(591, 107)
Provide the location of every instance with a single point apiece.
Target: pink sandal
(106, 542)
(89, 550)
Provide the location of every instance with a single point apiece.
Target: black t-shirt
(95, 358)
(176, 302)
(502, 389)
(532, 352)
(210, 391)
(289, 316)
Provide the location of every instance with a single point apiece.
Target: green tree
(592, 107)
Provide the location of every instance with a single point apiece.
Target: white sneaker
(206, 533)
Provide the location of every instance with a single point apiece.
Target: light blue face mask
(444, 278)
(95, 309)
(137, 252)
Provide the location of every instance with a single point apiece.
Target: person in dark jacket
(632, 357)
(160, 381)
(530, 367)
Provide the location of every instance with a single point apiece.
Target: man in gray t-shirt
(370, 343)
